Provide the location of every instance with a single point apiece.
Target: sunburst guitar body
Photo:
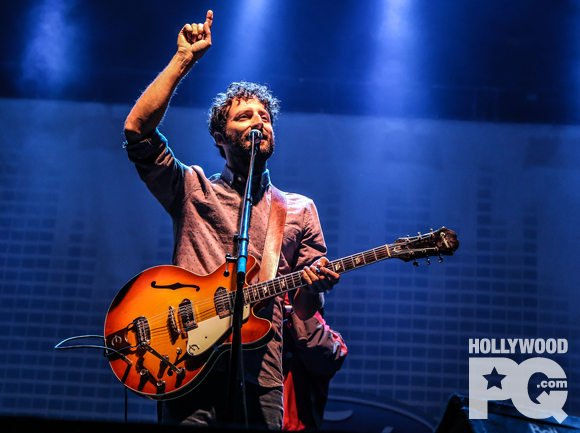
(167, 326)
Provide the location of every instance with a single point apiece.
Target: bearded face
(239, 142)
(244, 116)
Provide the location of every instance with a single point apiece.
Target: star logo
(494, 379)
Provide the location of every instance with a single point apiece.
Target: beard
(240, 145)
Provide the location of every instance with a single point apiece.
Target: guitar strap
(274, 235)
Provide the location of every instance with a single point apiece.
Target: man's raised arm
(192, 43)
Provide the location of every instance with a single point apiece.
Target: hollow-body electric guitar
(167, 326)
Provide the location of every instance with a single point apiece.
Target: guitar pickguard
(209, 332)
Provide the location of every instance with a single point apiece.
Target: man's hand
(195, 39)
(319, 278)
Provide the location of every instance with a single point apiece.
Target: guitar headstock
(443, 242)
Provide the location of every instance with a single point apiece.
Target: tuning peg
(440, 258)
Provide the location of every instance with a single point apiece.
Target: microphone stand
(236, 363)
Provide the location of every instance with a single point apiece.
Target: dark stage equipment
(502, 417)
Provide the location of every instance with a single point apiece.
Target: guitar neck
(439, 243)
(285, 283)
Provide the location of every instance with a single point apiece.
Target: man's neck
(243, 168)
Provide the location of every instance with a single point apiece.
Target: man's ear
(220, 143)
(219, 138)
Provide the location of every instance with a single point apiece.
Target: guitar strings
(165, 325)
(206, 308)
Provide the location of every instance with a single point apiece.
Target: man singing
(206, 215)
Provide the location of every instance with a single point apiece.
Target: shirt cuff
(153, 145)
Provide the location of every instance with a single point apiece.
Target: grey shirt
(206, 213)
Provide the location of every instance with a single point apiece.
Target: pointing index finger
(209, 18)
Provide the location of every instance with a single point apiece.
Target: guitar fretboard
(279, 285)
(442, 242)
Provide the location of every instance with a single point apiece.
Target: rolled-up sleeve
(159, 169)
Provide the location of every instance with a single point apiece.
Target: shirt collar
(238, 181)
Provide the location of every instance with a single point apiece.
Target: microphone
(255, 136)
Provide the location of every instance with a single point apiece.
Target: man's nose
(257, 122)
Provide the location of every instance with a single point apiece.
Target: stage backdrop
(76, 223)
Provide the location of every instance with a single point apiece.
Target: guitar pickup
(187, 316)
(142, 331)
(222, 302)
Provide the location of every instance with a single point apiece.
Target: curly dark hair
(244, 90)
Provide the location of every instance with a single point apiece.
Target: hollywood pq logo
(501, 378)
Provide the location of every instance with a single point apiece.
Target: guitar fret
(355, 261)
(388, 250)
(248, 296)
(348, 263)
(263, 291)
(369, 257)
(364, 258)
